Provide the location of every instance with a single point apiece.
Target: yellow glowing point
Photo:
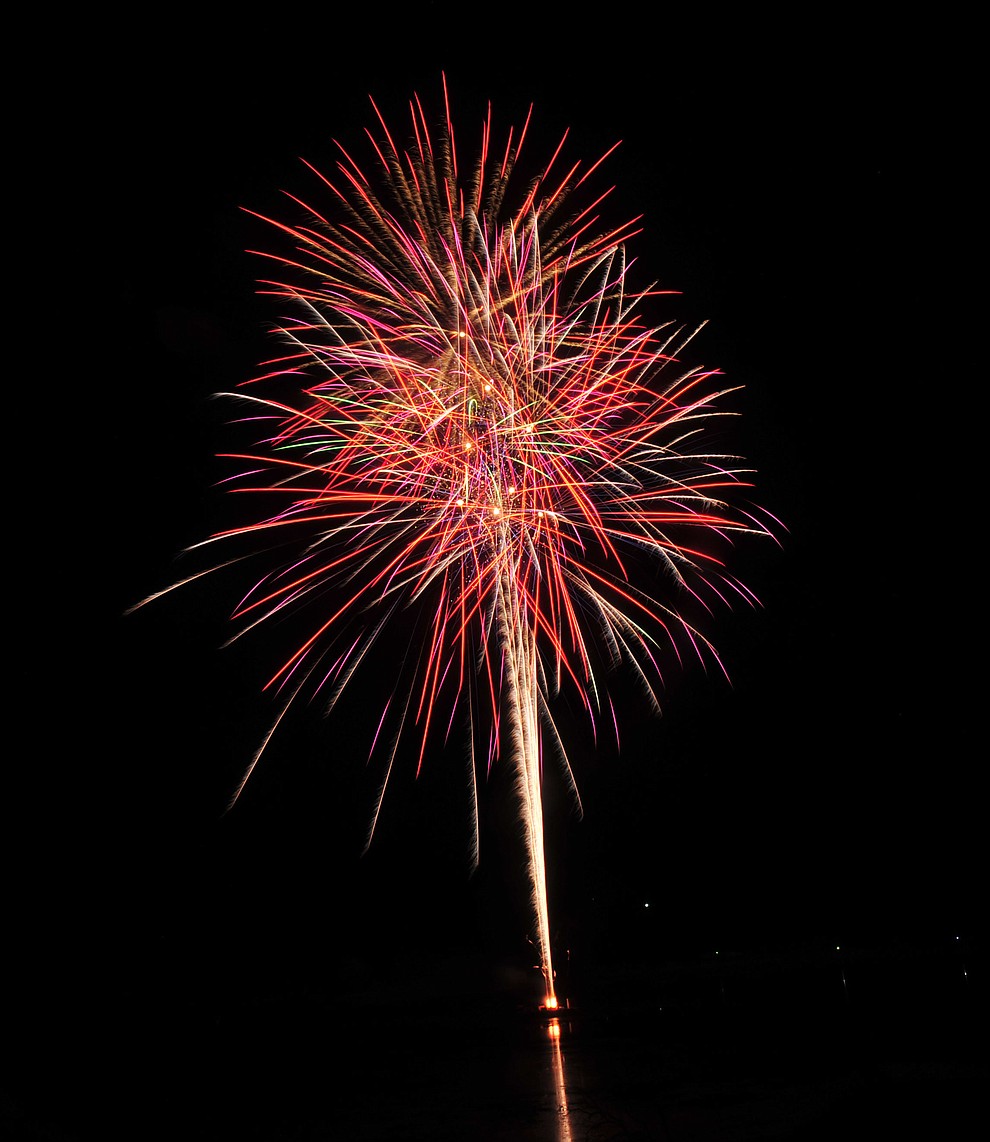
(488, 388)
(460, 501)
(551, 1003)
(496, 511)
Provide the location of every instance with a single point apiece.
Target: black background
(800, 187)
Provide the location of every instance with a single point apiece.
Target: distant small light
(837, 948)
(647, 904)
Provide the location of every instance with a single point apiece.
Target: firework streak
(470, 425)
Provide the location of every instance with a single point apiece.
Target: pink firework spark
(471, 421)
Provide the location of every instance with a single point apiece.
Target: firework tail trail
(523, 708)
(471, 424)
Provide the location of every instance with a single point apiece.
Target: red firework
(472, 423)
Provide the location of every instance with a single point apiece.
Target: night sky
(798, 201)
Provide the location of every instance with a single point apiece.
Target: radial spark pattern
(472, 422)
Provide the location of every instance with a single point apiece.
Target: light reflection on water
(788, 1042)
(559, 1082)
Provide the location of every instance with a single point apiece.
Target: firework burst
(470, 422)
